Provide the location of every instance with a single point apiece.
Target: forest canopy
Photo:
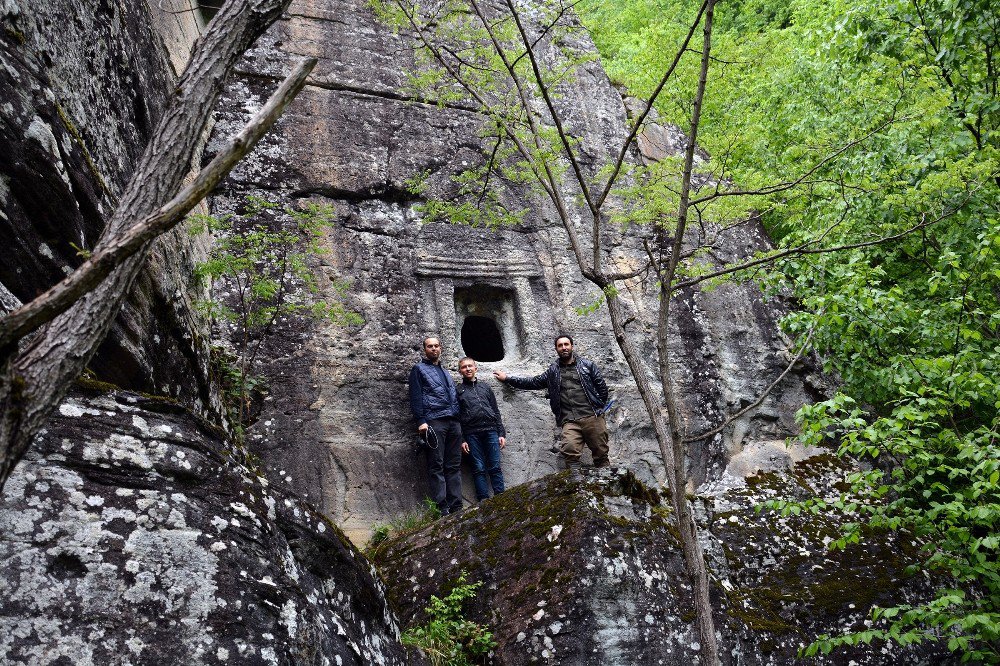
(887, 113)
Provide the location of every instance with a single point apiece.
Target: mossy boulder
(586, 569)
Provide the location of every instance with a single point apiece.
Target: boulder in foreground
(587, 570)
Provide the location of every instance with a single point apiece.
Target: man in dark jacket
(483, 433)
(434, 403)
(578, 397)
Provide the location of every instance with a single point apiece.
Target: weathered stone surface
(657, 141)
(83, 83)
(589, 572)
(131, 535)
(352, 139)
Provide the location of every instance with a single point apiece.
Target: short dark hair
(560, 337)
(467, 358)
(429, 337)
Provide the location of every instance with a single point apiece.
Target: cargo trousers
(590, 430)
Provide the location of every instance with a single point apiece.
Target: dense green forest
(872, 127)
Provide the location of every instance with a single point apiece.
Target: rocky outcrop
(588, 571)
(83, 83)
(352, 139)
(130, 534)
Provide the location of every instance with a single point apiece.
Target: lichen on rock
(131, 534)
(588, 571)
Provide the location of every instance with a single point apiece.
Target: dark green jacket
(590, 378)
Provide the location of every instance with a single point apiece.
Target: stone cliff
(352, 140)
(135, 533)
(83, 84)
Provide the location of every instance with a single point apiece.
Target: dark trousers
(444, 464)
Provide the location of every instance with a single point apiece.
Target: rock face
(352, 139)
(83, 83)
(131, 535)
(588, 572)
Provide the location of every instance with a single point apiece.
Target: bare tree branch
(563, 9)
(806, 248)
(673, 449)
(788, 185)
(637, 125)
(490, 164)
(61, 296)
(33, 383)
(543, 88)
(760, 399)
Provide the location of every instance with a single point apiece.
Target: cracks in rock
(71, 128)
(368, 92)
(344, 508)
(312, 17)
(371, 230)
(387, 192)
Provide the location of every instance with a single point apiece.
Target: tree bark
(100, 264)
(693, 556)
(33, 383)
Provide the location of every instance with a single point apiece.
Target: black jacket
(590, 378)
(478, 410)
(432, 392)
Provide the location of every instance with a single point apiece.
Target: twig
(781, 187)
(806, 248)
(760, 399)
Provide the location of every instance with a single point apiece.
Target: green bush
(262, 255)
(448, 639)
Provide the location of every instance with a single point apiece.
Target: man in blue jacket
(578, 396)
(483, 433)
(434, 403)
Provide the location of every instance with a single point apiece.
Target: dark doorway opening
(481, 339)
(208, 9)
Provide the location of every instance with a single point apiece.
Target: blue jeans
(484, 449)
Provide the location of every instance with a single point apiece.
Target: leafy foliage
(885, 114)
(448, 639)
(864, 136)
(261, 258)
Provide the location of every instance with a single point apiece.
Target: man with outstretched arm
(578, 396)
(483, 433)
(434, 403)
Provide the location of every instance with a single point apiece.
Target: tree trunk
(693, 556)
(34, 383)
